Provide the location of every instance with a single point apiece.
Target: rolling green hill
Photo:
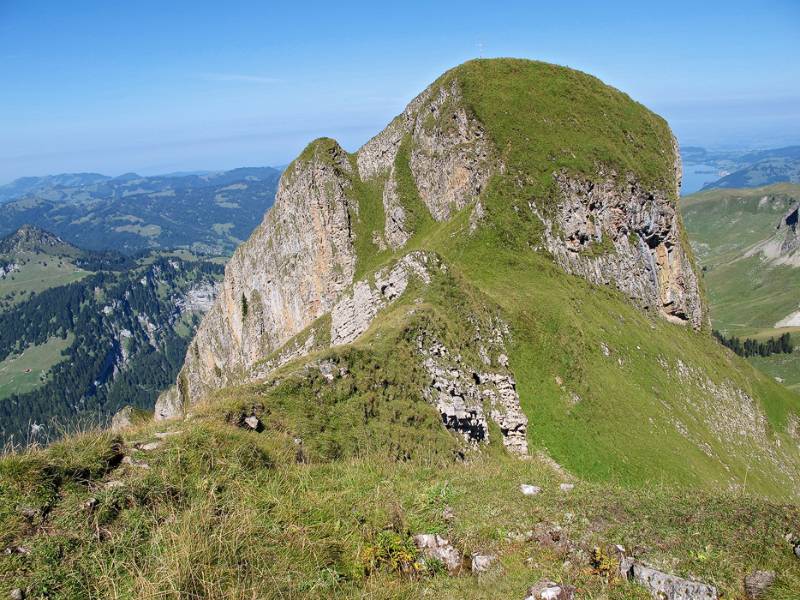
(752, 287)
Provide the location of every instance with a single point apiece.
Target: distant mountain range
(204, 212)
(747, 169)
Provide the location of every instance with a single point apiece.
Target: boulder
(148, 447)
(669, 587)
(122, 419)
(545, 589)
(757, 583)
(434, 546)
(128, 416)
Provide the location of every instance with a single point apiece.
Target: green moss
(418, 217)
(368, 224)
(602, 248)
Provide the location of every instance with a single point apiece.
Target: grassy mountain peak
(505, 258)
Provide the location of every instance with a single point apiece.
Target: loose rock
(482, 562)
(550, 590)
(254, 423)
(670, 587)
(757, 583)
(448, 514)
(567, 487)
(529, 490)
(17, 594)
(29, 512)
(148, 447)
(122, 419)
(140, 464)
(434, 546)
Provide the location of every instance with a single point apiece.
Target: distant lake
(695, 176)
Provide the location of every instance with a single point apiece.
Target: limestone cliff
(290, 271)
(310, 257)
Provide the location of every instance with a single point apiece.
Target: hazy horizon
(156, 89)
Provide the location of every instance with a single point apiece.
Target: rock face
(450, 159)
(789, 227)
(352, 315)
(291, 270)
(460, 391)
(628, 238)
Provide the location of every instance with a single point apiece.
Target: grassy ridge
(545, 118)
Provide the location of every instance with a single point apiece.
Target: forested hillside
(79, 351)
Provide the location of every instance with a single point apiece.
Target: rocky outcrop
(434, 547)
(291, 270)
(789, 228)
(661, 585)
(198, 298)
(122, 419)
(627, 237)
(451, 158)
(396, 230)
(352, 315)
(8, 269)
(464, 393)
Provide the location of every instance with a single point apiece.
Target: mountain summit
(507, 254)
(468, 360)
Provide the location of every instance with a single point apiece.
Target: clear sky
(164, 86)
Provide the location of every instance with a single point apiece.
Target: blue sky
(163, 86)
